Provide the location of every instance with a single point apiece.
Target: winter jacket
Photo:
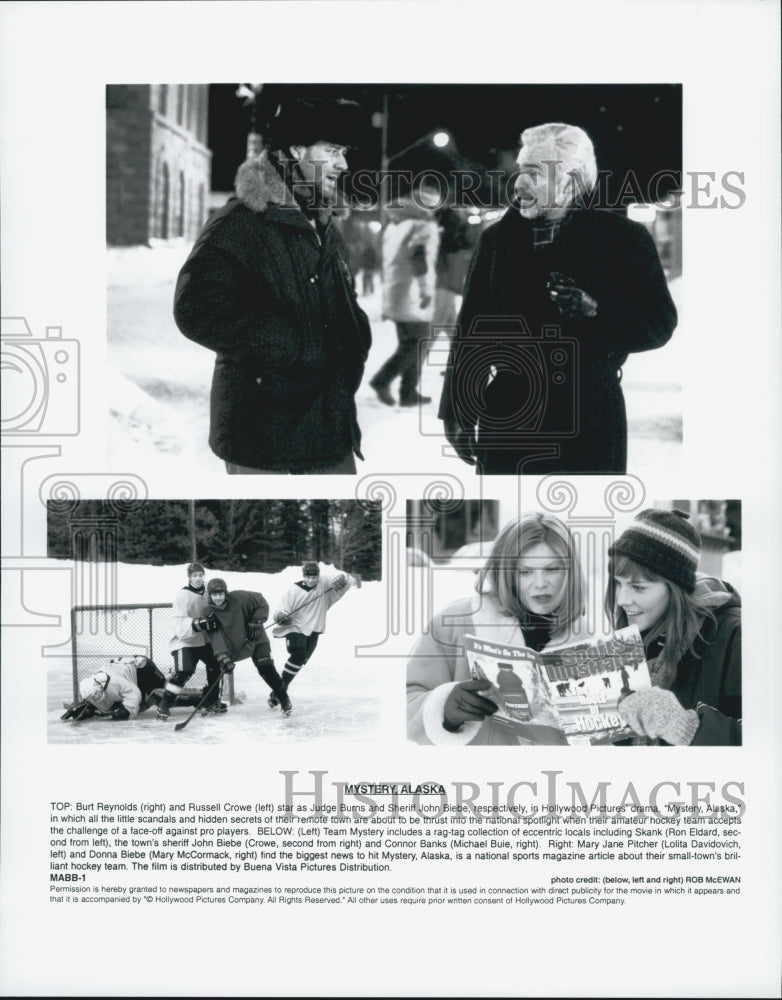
(708, 677)
(276, 302)
(531, 378)
(234, 636)
(438, 662)
(456, 248)
(307, 607)
(122, 687)
(188, 604)
(410, 243)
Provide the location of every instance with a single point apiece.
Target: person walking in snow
(268, 287)
(240, 617)
(301, 616)
(410, 244)
(190, 644)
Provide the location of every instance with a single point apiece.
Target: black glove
(119, 713)
(226, 663)
(572, 302)
(81, 710)
(206, 624)
(466, 704)
(462, 441)
(283, 619)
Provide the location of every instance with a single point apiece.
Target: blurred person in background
(411, 241)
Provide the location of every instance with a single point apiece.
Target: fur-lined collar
(260, 186)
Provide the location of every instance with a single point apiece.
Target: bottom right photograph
(556, 630)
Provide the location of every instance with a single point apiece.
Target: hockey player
(190, 644)
(301, 616)
(240, 616)
(120, 692)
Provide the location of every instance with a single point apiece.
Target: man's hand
(466, 704)
(282, 619)
(572, 302)
(340, 582)
(226, 663)
(462, 441)
(206, 624)
(119, 713)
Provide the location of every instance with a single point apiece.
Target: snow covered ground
(337, 696)
(160, 386)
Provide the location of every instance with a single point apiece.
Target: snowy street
(159, 389)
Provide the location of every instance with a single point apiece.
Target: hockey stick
(310, 599)
(204, 696)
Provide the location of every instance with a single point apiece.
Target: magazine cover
(567, 695)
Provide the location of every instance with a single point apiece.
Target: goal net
(101, 633)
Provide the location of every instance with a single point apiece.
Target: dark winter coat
(708, 678)
(276, 302)
(456, 249)
(234, 635)
(557, 380)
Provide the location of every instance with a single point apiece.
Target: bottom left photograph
(215, 620)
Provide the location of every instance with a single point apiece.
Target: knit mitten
(657, 714)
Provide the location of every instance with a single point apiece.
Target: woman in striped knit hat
(691, 629)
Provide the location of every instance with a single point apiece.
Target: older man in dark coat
(268, 287)
(557, 297)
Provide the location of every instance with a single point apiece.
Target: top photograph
(321, 279)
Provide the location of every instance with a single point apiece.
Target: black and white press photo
(316, 273)
(202, 614)
(387, 388)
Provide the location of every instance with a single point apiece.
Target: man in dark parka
(557, 297)
(268, 287)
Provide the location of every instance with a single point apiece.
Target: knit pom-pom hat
(664, 542)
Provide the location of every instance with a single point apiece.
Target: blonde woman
(530, 593)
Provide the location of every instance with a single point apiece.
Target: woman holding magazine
(691, 630)
(530, 593)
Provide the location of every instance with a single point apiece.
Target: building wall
(157, 162)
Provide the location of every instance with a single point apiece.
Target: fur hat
(664, 542)
(299, 121)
